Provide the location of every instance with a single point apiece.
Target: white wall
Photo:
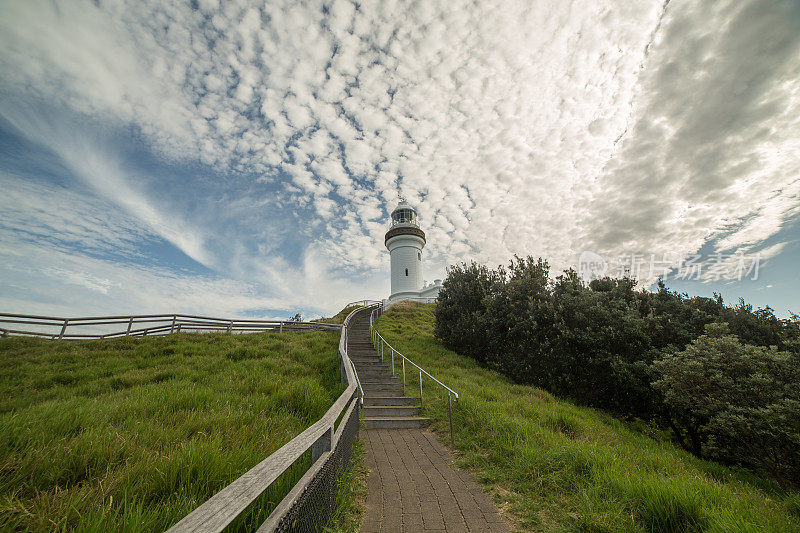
(405, 252)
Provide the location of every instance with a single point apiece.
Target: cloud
(711, 154)
(542, 128)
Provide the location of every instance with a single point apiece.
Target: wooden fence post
(322, 445)
(63, 329)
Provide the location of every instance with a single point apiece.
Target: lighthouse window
(402, 216)
(419, 256)
(406, 272)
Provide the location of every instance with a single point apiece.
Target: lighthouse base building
(405, 241)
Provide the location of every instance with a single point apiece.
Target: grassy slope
(339, 317)
(132, 434)
(555, 466)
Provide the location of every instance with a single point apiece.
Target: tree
(461, 309)
(735, 402)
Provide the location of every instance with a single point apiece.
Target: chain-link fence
(315, 508)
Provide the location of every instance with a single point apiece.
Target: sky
(241, 158)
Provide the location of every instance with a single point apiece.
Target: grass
(553, 466)
(339, 317)
(351, 497)
(132, 434)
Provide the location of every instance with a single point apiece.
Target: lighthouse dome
(404, 214)
(404, 222)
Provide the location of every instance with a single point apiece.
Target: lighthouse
(405, 241)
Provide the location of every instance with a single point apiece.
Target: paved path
(412, 486)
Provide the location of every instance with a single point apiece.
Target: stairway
(385, 407)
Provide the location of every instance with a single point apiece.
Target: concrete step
(387, 381)
(390, 411)
(385, 393)
(367, 371)
(368, 376)
(399, 422)
(376, 400)
(383, 377)
(373, 363)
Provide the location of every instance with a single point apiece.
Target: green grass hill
(554, 466)
(132, 434)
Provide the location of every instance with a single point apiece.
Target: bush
(461, 309)
(605, 344)
(734, 402)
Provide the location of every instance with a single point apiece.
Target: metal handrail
(380, 342)
(163, 324)
(221, 509)
(363, 303)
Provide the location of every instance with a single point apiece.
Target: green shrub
(735, 402)
(597, 345)
(554, 466)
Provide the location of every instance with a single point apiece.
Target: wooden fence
(107, 327)
(325, 437)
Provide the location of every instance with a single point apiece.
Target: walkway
(412, 485)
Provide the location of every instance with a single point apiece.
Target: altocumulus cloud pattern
(241, 157)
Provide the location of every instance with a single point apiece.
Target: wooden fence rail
(104, 327)
(322, 437)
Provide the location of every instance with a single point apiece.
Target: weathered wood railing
(323, 437)
(105, 327)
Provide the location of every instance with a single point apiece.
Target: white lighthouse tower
(405, 241)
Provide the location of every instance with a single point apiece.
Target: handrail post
(404, 376)
(172, 327)
(420, 389)
(230, 326)
(63, 329)
(280, 329)
(130, 324)
(450, 406)
(393, 361)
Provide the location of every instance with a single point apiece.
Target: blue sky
(241, 158)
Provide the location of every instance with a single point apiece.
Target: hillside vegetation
(132, 434)
(723, 380)
(339, 317)
(555, 466)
